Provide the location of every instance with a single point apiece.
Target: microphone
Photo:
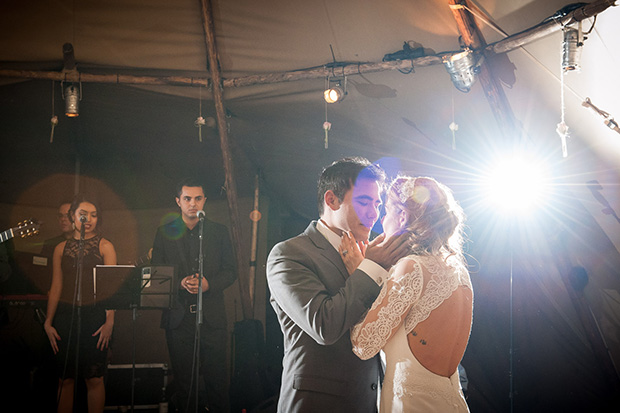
(83, 220)
(201, 215)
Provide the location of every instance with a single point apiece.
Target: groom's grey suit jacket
(317, 303)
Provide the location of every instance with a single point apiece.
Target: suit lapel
(326, 249)
(184, 269)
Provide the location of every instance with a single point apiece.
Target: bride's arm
(386, 314)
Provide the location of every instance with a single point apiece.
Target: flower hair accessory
(420, 194)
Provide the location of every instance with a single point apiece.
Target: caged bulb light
(72, 97)
(463, 68)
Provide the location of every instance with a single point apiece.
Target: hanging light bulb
(571, 49)
(72, 96)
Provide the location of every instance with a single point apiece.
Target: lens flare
(173, 232)
(516, 185)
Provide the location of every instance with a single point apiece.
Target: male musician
(6, 268)
(66, 229)
(177, 243)
(317, 301)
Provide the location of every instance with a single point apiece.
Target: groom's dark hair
(341, 175)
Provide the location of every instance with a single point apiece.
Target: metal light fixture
(462, 67)
(608, 120)
(571, 49)
(72, 96)
(336, 90)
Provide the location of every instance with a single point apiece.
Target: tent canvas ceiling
(139, 140)
(384, 113)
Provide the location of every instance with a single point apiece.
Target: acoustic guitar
(24, 229)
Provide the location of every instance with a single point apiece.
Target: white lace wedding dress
(402, 304)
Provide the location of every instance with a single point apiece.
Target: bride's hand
(350, 252)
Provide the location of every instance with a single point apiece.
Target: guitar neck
(23, 229)
(140, 261)
(6, 235)
(145, 259)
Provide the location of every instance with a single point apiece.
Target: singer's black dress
(92, 362)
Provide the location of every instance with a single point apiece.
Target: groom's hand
(386, 252)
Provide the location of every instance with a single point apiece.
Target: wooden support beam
(230, 184)
(508, 44)
(472, 38)
(105, 78)
(347, 69)
(268, 78)
(549, 26)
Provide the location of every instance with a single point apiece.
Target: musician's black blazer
(219, 270)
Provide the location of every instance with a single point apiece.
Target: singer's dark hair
(75, 204)
(191, 182)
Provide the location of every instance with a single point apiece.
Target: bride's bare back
(439, 342)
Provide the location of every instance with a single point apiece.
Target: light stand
(134, 308)
(515, 186)
(511, 350)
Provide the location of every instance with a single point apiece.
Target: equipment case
(149, 388)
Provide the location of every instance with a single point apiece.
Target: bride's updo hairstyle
(434, 218)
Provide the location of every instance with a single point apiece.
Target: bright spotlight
(334, 94)
(516, 185)
(335, 89)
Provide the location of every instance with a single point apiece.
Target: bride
(422, 317)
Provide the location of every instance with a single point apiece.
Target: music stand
(115, 286)
(127, 287)
(157, 287)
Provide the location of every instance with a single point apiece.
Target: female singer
(95, 323)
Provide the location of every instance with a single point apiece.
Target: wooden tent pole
(254, 245)
(472, 38)
(230, 185)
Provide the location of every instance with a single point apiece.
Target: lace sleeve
(397, 296)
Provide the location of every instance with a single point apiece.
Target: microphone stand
(80, 262)
(134, 308)
(201, 222)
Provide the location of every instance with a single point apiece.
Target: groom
(317, 301)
